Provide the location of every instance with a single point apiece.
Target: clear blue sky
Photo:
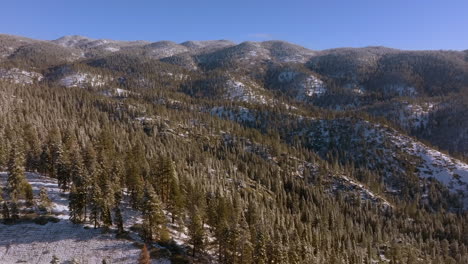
(409, 24)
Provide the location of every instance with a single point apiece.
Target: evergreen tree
(5, 211)
(176, 200)
(260, 251)
(165, 177)
(33, 148)
(153, 216)
(80, 186)
(119, 220)
(28, 193)
(14, 212)
(44, 200)
(76, 204)
(16, 173)
(196, 232)
(107, 203)
(134, 179)
(44, 166)
(95, 204)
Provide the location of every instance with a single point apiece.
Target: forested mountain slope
(258, 152)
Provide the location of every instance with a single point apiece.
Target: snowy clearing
(34, 243)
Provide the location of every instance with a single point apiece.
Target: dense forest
(275, 180)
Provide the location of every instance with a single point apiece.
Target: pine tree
(144, 256)
(14, 212)
(134, 179)
(196, 232)
(90, 161)
(28, 193)
(153, 216)
(33, 148)
(80, 189)
(176, 200)
(76, 204)
(260, 252)
(16, 173)
(44, 200)
(95, 204)
(44, 166)
(119, 220)
(5, 211)
(107, 203)
(51, 153)
(4, 150)
(62, 169)
(245, 244)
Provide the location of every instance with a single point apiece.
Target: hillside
(218, 152)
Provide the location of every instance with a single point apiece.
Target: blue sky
(410, 24)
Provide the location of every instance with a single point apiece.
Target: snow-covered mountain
(354, 152)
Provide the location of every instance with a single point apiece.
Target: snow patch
(239, 114)
(19, 76)
(400, 90)
(238, 91)
(82, 80)
(313, 86)
(112, 49)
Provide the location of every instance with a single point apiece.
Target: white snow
(34, 243)
(239, 114)
(112, 49)
(239, 91)
(451, 172)
(415, 115)
(28, 242)
(20, 76)
(313, 86)
(82, 79)
(366, 194)
(144, 118)
(304, 85)
(117, 92)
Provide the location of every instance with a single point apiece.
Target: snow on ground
(239, 114)
(112, 49)
(434, 164)
(238, 91)
(400, 89)
(415, 115)
(82, 79)
(306, 85)
(366, 194)
(313, 86)
(20, 76)
(144, 119)
(34, 243)
(117, 92)
(451, 172)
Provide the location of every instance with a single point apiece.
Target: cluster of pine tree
(237, 200)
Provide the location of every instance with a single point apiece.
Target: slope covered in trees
(287, 181)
